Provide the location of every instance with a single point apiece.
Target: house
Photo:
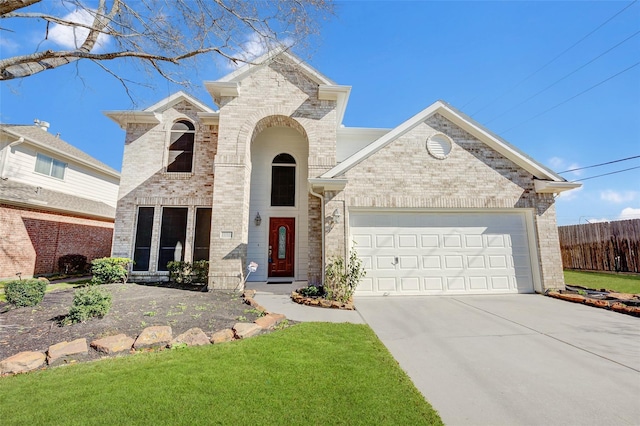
(437, 205)
(54, 200)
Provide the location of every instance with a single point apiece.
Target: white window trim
(64, 169)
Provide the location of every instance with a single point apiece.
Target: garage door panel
(450, 253)
(455, 284)
(431, 262)
(386, 284)
(408, 262)
(385, 241)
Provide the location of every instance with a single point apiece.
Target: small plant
(89, 302)
(196, 316)
(283, 324)
(150, 314)
(109, 270)
(582, 292)
(22, 293)
(201, 308)
(72, 263)
(187, 272)
(311, 291)
(143, 324)
(342, 279)
(241, 318)
(255, 311)
(179, 346)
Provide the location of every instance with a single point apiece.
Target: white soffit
(337, 93)
(464, 122)
(321, 184)
(552, 187)
(141, 117)
(176, 98)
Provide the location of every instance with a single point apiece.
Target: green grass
(594, 280)
(312, 373)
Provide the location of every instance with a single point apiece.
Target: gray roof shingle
(12, 192)
(36, 134)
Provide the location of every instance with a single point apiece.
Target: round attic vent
(439, 145)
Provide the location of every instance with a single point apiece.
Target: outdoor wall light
(258, 219)
(337, 216)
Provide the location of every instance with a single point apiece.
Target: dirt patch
(134, 307)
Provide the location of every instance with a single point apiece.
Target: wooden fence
(605, 246)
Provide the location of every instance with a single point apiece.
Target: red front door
(281, 246)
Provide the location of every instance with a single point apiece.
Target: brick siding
(33, 240)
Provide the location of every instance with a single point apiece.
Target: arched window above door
(181, 142)
(283, 180)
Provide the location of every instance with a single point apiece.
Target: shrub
(109, 270)
(341, 280)
(188, 273)
(72, 263)
(25, 292)
(89, 302)
(311, 291)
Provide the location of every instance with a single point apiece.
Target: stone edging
(598, 303)
(323, 303)
(154, 337)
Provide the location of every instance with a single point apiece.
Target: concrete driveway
(514, 359)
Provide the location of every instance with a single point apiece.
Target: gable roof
(151, 115)
(463, 121)
(34, 135)
(248, 69)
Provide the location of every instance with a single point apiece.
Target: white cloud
(8, 45)
(618, 196)
(73, 37)
(570, 195)
(594, 220)
(560, 165)
(629, 213)
(253, 48)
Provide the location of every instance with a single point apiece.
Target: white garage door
(442, 253)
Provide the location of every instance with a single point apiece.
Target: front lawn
(311, 373)
(594, 280)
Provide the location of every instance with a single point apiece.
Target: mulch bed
(134, 308)
(618, 302)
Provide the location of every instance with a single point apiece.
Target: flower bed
(319, 301)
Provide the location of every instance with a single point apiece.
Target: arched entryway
(278, 240)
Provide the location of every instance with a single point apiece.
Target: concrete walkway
(275, 297)
(514, 359)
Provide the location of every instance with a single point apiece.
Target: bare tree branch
(162, 33)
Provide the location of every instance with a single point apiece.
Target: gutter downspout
(321, 197)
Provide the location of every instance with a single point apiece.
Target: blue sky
(519, 68)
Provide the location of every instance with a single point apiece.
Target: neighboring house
(437, 205)
(54, 200)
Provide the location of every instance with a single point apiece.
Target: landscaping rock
(19, 363)
(570, 297)
(269, 321)
(113, 344)
(243, 330)
(251, 302)
(597, 303)
(157, 336)
(66, 352)
(621, 296)
(222, 336)
(191, 337)
(249, 294)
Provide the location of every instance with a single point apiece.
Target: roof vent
(44, 125)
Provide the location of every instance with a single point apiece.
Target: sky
(559, 80)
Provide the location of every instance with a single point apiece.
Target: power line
(601, 164)
(606, 174)
(571, 98)
(559, 80)
(555, 58)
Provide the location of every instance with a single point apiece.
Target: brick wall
(33, 240)
(404, 175)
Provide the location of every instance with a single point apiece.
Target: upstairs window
(181, 147)
(283, 180)
(50, 167)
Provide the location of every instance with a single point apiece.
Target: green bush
(341, 280)
(72, 263)
(188, 273)
(25, 292)
(311, 291)
(89, 302)
(109, 270)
